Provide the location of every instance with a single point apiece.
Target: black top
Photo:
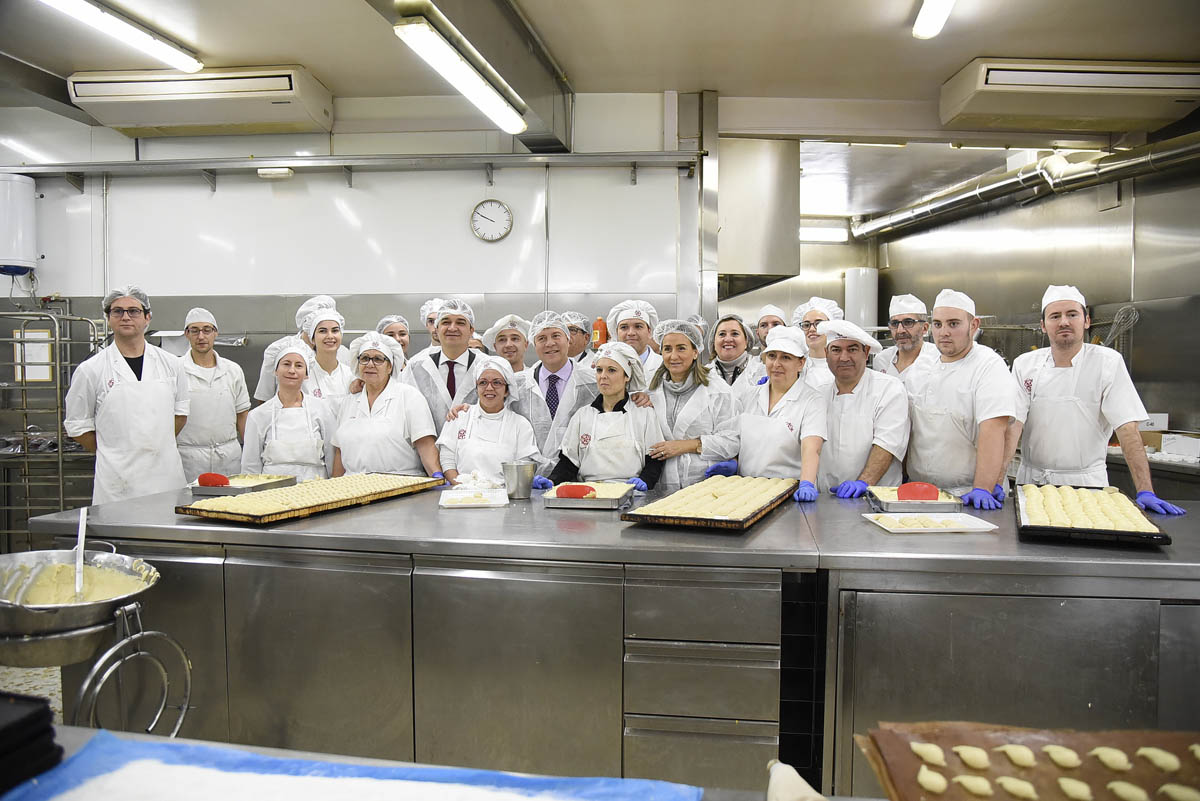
(566, 470)
(135, 364)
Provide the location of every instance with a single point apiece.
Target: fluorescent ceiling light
(824, 233)
(979, 147)
(876, 144)
(432, 47)
(931, 18)
(107, 21)
(275, 173)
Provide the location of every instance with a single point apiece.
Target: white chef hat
(844, 329)
(544, 320)
(128, 291)
(430, 307)
(786, 339)
(319, 316)
(631, 310)
(311, 305)
(627, 357)
(1064, 292)
(824, 305)
(455, 306)
(685, 327)
(199, 315)
(391, 319)
(502, 367)
(770, 310)
(373, 340)
(509, 322)
(577, 319)
(281, 347)
(955, 300)
(906, 304)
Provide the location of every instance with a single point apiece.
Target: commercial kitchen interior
(681, 147)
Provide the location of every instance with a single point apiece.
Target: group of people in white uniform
(649, 408)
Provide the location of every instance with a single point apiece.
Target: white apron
(294, 445)
(1062, 444)
(941, 450)
(851, 434)
(768, 447)
(612, 453)
(483, 448)
(209, 443)
(135, 436)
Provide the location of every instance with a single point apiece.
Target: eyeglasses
(907, 322)
(808, 325)
(132, 313)
(495, 383)
(378, 361)
(207, 331)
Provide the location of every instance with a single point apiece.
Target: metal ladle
(79, 553)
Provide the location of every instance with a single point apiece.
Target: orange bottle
(599, 332)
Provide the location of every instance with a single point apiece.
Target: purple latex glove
(1151, 502)
(998, 493)
(806, 492)
(446, 484)
(849, 489)
(981, 499)
(763, 380)
(542, 483)
(637, 483)
(722, 469)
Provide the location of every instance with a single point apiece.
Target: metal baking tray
(1097, 535)
(492, 498)
(590, 503)
(963, 524)
(286, 481)
(880, 505)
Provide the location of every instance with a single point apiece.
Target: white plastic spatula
(79, 554)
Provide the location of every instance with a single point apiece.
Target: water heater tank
(18, 250)
(862, 296)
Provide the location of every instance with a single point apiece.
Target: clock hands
(484, 216)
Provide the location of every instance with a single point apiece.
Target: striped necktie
(552, 393)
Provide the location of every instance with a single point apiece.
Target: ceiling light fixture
(876, 144)
(931, 18)
(958, 146)
(449, 62)
(131, 33)
(275, 173)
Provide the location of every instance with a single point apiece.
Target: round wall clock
(491, 220)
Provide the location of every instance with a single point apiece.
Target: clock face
(491, 220)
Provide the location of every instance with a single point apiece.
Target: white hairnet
(319, 316)
(311, 305)
(577, 319)
(955, 300)
(430, 307)
(628, 359)
(455, 306)
(631, 310)
(771, 310)
(544, 320)
(688, 329)
(844, 329)
(281, 347)
(737, 318)
(509, 322)
(786, 339)
(128, 291)
(698, 321)
(824, 305)
(1064, 292)
(199, 315)
(391, 319)
(906, 304)
(373, 340)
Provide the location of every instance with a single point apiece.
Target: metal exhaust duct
(1052, 173)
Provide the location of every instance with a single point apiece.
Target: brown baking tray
(1097, 535)
(721, 523)
(307, 511)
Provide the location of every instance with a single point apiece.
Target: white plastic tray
(491, 498)
(963, 523)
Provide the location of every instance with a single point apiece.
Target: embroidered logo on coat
(110, 383)
(789, 425)
(462, 433)
(584, 439)
(1029, 385)
(317, 393)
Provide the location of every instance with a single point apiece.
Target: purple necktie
(450, 387)
(552, 393)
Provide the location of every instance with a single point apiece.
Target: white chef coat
(651, 363)
(753, 370)
(134, 421)
(477, 441)
(267, 387)
(209, 442)
(707, 414)
(769, 442)
(330, 386)
(427, 373)
(946, 406)
(529, 401)
(379, 438)
(885, 362)
(585, 359)
(611, 446)
(874, 413)
(290, 442)
(1070, 413)
(816, 373)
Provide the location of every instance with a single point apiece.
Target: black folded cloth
(27, 746)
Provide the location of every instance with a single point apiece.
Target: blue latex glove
(542, 483)
(445, 484)
(722, 469)
(981, 499)
(998, 493)
(1148, 500)
(805, 493)
(849, 489)
(763, 380)
(637, 483)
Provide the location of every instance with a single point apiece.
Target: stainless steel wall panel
(760, 207)
(729, 754)
(1178, 666)
(1166, 237)
(703, 604)
(704, 680)
(1164, 359)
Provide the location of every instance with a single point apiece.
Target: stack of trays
(27, 746)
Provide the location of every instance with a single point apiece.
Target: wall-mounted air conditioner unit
(1092, 96)
(241, 100)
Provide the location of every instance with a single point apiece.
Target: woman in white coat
(610, 439)
(730, 344)
(329, 378)
(694, 409)
(387, 427)
(291, 433)
(488, 434)
(781, 424)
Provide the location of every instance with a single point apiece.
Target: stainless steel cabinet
(320, 651)
(700, 751)
(1179, 666)
(706, 604)
(518, 665)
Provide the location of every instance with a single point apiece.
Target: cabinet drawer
(702, 604)
(726, 754)
(704, 680)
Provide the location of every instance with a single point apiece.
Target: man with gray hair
(127, 403)
(211, 442)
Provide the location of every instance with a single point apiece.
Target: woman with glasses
(475, 444)
(385, 428)
(912, 355)
(806, 317)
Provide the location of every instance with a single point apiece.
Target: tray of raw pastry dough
(883, 499)
(930, 523)
(307, 498)
(609, 495)
(243, 483)
(730, 503)
(961, 761)
(1095, 515)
